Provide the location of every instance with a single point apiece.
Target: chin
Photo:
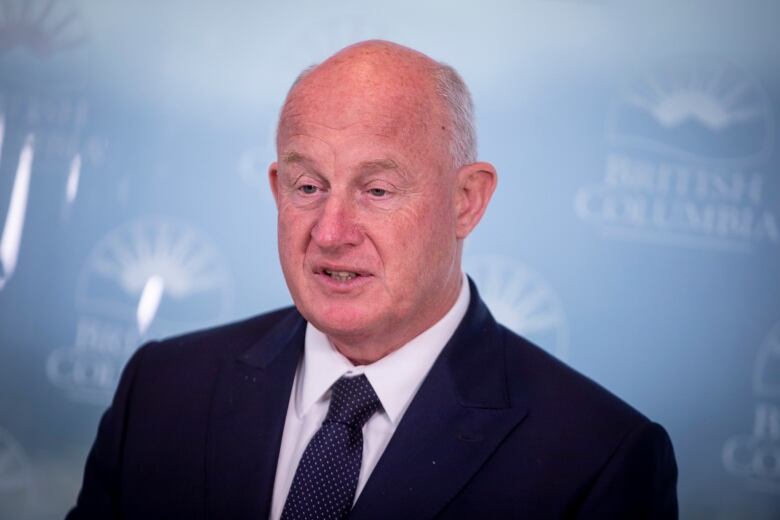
(341, 319)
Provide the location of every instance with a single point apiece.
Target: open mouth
(340, 276)
(341, 273)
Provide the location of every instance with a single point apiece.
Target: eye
(308, 189)
(377, 192)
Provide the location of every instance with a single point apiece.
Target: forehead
(357, 149)
(366, 144)
(393, 99)
(391, 129)
(360, 136)
(394, 116)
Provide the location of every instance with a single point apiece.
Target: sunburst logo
(695, 108)
(150, 277)
(16, 481)
(521, 300)
(681, 169)
(41, 27)
(136, 267)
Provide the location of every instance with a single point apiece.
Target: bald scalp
(415, 94)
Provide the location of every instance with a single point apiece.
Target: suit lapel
(457, 419)
(247, 421)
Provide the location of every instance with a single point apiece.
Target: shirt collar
(395, 378)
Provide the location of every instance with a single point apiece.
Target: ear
(475, 184)
(273, 179)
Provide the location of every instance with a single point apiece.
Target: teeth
(341, 276)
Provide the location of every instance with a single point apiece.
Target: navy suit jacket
(498, 429)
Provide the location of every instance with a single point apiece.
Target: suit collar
(289, 330)
(460, 415)
(475, 358)
(458, 418)
(247, 419)
(395, 377)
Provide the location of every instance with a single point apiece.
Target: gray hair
(456, 98)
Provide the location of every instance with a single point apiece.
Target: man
(388, 391)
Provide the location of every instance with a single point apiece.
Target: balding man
(388, 391)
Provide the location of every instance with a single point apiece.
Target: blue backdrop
(634, 233)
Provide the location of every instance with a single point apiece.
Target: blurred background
(634, 233)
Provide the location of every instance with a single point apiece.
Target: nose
(337, 225)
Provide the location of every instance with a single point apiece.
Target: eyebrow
(365, 167)
(378, 165)
(294, 157)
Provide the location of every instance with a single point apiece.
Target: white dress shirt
(395, 379)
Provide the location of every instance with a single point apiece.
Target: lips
(341, 276)
(341, 273)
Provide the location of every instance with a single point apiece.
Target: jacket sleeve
(639, 481)
(99, 495)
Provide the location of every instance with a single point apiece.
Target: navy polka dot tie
(326, 479)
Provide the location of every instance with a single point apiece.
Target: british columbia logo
(41, 27)
(149, 278)
(754, 457)
(43, 116)
(686, 148)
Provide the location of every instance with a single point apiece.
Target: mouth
(342, 275)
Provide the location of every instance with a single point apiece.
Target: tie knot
(353, 401)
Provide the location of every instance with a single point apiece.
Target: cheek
(437, 224)
(293, 230)
(414, 238)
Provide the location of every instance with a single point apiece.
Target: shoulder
(180, 373)
(206, 348)
(577, 428)
(580, 411)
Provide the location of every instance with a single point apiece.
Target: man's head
(376, 186)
